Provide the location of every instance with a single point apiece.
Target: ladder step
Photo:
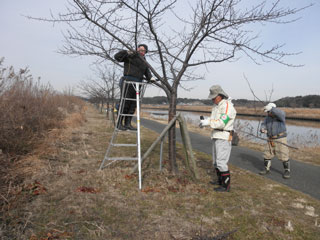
(124, 144)
(122, 158)
(107, 160)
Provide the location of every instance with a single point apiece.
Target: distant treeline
(309, 101)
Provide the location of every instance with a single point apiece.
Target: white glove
(204, 122)
(153, 79)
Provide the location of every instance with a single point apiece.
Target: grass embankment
(68, 198)
(30, 114)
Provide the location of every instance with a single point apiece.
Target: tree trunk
(101, 106)
(172, 133)
(108, 109)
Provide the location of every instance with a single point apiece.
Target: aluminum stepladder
(140, 88)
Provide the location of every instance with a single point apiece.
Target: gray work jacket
(275, 125)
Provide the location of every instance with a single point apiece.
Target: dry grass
(28, 109)
(16, 188)
(32, 116)
(68, 198)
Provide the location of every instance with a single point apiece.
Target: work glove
(204, 122)
(153, 79)
(263, 130)
(131, 53)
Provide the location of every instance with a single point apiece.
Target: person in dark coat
(135, 68)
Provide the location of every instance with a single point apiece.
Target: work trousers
(221, 150)
(129, 92)
(277, 147)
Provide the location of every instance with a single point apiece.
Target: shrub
(28, 109)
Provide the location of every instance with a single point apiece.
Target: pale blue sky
(34, 44)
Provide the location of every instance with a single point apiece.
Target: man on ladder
(134, 70)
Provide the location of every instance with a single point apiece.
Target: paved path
(304, 177)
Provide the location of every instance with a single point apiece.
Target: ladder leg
(113, 138)
(138, 89)
(118, 124)
(122, 106)
(138, 133)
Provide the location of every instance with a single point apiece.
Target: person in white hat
(274, 126)
(221, 121)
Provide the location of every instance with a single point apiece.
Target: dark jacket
(275, 125)
(134, 66)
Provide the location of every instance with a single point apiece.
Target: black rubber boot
(286, 166)
(120, 125)
(267, 165)
(226, 180)
(128, 125)
(218, 181)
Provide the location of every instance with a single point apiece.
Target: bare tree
(204, 32)
(102, 89)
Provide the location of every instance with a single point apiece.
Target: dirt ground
(65, 196)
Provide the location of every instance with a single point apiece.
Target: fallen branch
(4, 198)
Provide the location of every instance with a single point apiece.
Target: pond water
(297, 135)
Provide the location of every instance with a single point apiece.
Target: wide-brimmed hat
(215, 90)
